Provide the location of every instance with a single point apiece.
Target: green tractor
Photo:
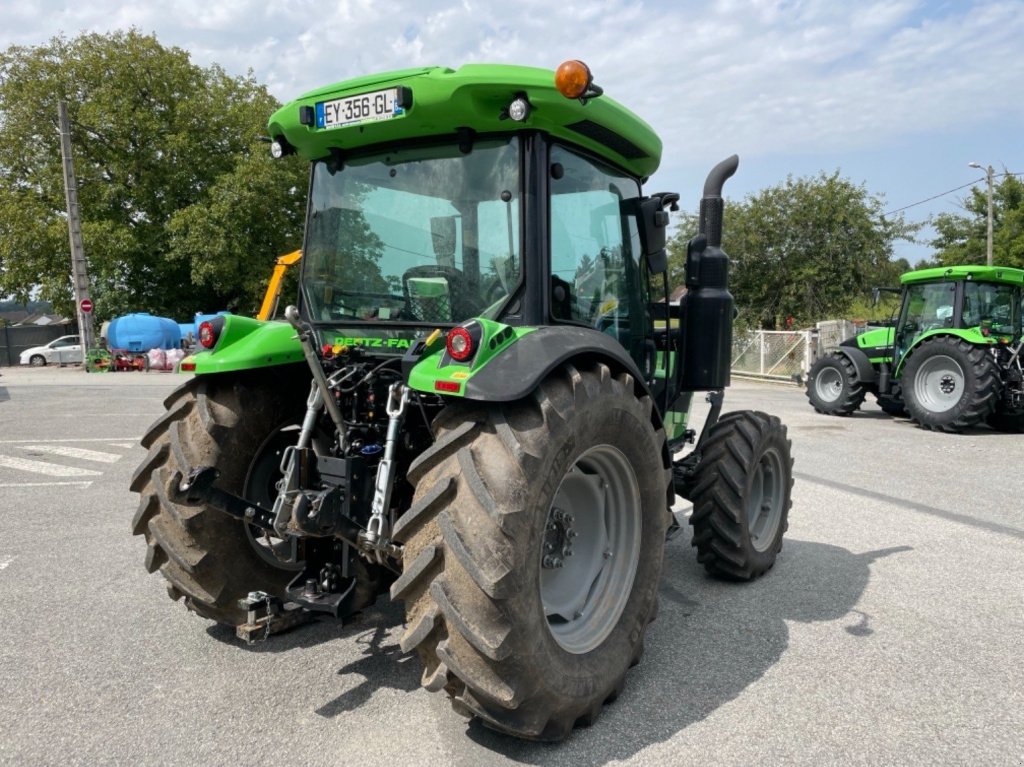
(477, 404)
(951, 360)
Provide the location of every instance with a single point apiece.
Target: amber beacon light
(574, 80)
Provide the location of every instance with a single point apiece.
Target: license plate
(367, 107)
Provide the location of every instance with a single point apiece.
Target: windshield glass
(420, 235)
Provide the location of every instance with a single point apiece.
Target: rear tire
(949, 384)
(832, 385)
(206, 556)
(741, 495)
(477, 588)
(37, 361)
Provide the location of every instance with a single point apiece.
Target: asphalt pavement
(890, 632)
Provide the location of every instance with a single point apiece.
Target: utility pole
(79, 270)
(989, 171)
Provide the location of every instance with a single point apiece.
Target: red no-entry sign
(86, 305)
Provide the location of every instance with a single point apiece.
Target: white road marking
(76, 452)
(45, 484)
(4, 561)
(41, 467)
(75, 439)
(126, 445)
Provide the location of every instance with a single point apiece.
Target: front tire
(37, 361)
(949, 384)
(526, 646)
(832, 385)
(207, 557)
(741, 495)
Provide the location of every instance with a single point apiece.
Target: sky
(898, 96)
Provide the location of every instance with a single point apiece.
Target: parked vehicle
(65, 350)
(951, 360)
(476, 405)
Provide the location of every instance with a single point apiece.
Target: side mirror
(653, 226)
(658, 262)
(876, 294)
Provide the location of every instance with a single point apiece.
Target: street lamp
(988, 178)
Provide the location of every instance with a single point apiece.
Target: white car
(61, 351)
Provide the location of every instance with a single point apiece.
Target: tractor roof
(474, 96)
(979, 273)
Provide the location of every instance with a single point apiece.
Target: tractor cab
(531, 221)
(959, 298)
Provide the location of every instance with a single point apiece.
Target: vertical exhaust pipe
(708, 305)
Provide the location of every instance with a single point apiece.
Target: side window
(990, 305)
(595, 269)
(929, 306)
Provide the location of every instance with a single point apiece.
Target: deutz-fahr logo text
(376, 343)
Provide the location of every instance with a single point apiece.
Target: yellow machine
(269, 307)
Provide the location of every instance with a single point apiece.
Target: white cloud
(765, 78)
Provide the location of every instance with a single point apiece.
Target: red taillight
(447, 386)
(207, 335)
(188, 365)
(459, 344)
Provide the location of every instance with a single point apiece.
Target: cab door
(595, 263)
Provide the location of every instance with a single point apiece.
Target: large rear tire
(208, 558)
(949, 384)
(741, 495)
(529, 647)
(832, 385)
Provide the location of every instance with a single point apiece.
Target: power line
(943, 194)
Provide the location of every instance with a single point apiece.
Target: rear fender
(866, 373)
(972, 336)
(245, 344)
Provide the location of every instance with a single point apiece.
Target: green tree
(963, 239)
(182, 208)
(807, 249)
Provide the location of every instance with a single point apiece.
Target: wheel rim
(939, 383)
(829, 385)
(261, 486)
(591, 549)
(37, 361)
(765, 500)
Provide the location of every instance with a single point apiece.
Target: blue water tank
(141, 332)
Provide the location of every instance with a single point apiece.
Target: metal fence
(15, 340)
(786, 355)
(778, 354)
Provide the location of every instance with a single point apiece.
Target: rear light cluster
(207, 335)
(210, 331)
(462, 343)
(459, 344)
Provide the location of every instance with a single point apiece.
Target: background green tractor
(478, 401)
(952, 358)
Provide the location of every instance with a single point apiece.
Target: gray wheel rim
(939, 383)
(591, 549)
(37, 361)
(829, 384)
(260, 486)
(765, 500)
